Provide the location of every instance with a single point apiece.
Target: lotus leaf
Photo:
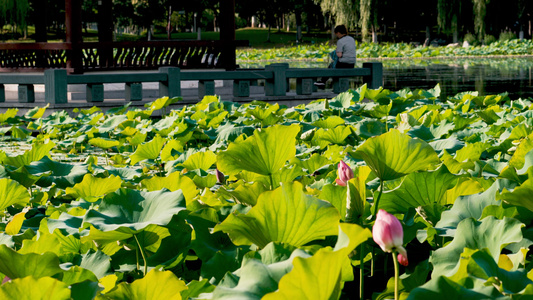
(286, 215)
(393, 155)
(134, 210)
(264, 153)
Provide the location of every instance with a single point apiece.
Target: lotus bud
(6, 279)
(388, 233)
(220, 177)
(402, 259)
(344, 172)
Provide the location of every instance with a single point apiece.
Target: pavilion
(79, 57)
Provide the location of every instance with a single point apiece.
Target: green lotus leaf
(163, 102)
(264, 153)
(337, 135)
(36, 153)
(97, 262)
(320, 276)
(8, 114)
(470, 206)
(369, 128)
(200, 160)
(329, 122)
(248, 193)
(112, 122)
(173, 182)
(522, 150)
(195, 288)
(254, 279)
(342, 100)
(489, 233)
(66, 223)
(45, 242)
(170, 147)
(77, 274)
(262, 113)
(315, 162)
(156, 285)
(442, 288)
(35, 288)
(134, 210)
(393, 155)
(285, 215)
(356, 195)
(11, 192)
(62, 175)
(104, 143)
(520, 196)
(93, 188)
(479, 264)
(336, 195)
(86, 290)
(36, 112)
(229, 132)
(22, 176)
(451, 145)
(16, 265)
(149, 150)
(419, 189)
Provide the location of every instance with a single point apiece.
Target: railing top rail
(21, 79)
(306, 72)
(226, 75)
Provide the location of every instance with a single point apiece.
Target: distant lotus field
(221, 200)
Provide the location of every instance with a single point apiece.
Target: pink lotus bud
(344, 172)
(220, 177)
(403, 259)
(388, 233)
(6, 279)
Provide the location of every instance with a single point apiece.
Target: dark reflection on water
(487, 76)
(484, 76)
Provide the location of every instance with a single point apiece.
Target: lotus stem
(271, 182)
(396, 275)
(142, 254)
(362, 272)
(376, 205)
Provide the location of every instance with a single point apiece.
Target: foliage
(319, 52)
(119, 205)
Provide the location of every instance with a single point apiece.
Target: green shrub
(471, 39)
(507, 35)
(489, 39)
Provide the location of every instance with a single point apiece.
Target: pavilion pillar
(40, 21)
(227, 34)
(105, 31)
(74, 35)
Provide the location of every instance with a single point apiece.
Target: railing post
(172, 86)
(375, 80)
(2, 93)
(55, 86)
(278, 85)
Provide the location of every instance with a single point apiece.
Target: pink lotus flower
(344, 172)
(388, 234)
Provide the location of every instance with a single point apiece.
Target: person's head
(340, 30)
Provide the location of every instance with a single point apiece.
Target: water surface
(487, 76)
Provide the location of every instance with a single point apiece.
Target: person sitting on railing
(345, 52)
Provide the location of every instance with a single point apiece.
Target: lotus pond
(221, 200)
